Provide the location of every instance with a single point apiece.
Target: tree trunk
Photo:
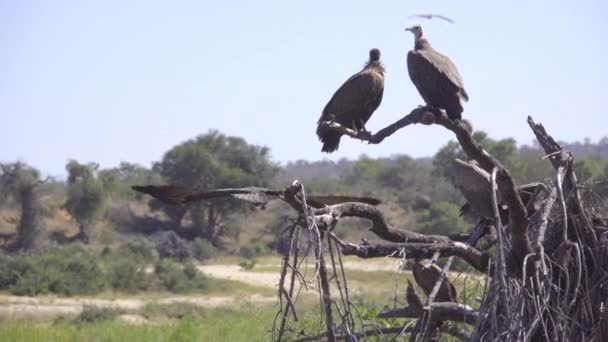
(30, 218)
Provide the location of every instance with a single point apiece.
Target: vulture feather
(427, 274)
(353, 103)
(435, 76)
(173, 194)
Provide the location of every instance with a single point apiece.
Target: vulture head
(416, 30)
(374, 55)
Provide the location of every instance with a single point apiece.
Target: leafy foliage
(203, 249)
(86, 196)
(21, 182)
(212, 161)
(176, 278)
(68, 271)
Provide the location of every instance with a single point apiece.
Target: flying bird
(435, 76)
(173, 194)
(431, 16)
(354, 102)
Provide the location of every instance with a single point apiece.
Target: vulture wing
(427, 275)
(437, 71)
(173, 194)
(356, 99)
(321, 201)
(352, 104)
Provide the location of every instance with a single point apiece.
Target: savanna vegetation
(90, 234)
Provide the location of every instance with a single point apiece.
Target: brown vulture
(426, 274)
(354, 102)
(435, 76)
(474, 184)
(173, 194)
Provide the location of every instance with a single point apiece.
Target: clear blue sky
(111, 80)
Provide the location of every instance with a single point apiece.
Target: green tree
(85, 197)
(504, 150)
(22, 182)
(587, 169)
(212, 161)
(117, 181)
(442, 218)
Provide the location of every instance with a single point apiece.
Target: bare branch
(418, 250)
(442, 311)
(518, 217)
(380, 227)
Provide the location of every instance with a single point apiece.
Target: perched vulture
(435, 76)
(474, 184)
(426, 275)
(354, 102)
(173, 194)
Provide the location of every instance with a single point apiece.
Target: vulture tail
(331, 141)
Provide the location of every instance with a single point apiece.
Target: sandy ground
(17, 307)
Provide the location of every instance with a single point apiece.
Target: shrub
(254, 249)
(170, 245)
(175, 278)
(126, 275)
(92, 314)
(248, 264)
(142, 248)
(203, 249)
(67, 271)
(11, 268)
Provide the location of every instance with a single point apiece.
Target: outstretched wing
(174, 194)
(431, 16)
(321, 201)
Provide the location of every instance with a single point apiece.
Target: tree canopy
(210, 161)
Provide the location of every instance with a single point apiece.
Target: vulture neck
(421, 43)
(375, 65)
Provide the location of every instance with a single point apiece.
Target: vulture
(353, 103)
(426, 275)
(474, 184)
(435, 76)
(173, 194)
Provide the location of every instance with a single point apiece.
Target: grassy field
(243, 324)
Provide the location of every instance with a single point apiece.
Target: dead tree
(548, 276)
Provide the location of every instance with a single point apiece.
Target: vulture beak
(408, 29)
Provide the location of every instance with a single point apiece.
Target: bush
(10, 270)
(203, 249)
(67, 271)
(143, 249)
(170, 245)
(92, 314)
(127, 275)
(248, 264)
(254, 249)
(175, 278)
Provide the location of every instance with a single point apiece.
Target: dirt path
(17, 307)
(235, 272)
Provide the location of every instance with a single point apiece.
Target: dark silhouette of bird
(353, 103)
(431, 16)
(435, 76)
(474, 184)
(173, 194)
(426, 274)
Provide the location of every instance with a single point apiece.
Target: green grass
(245, 324)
